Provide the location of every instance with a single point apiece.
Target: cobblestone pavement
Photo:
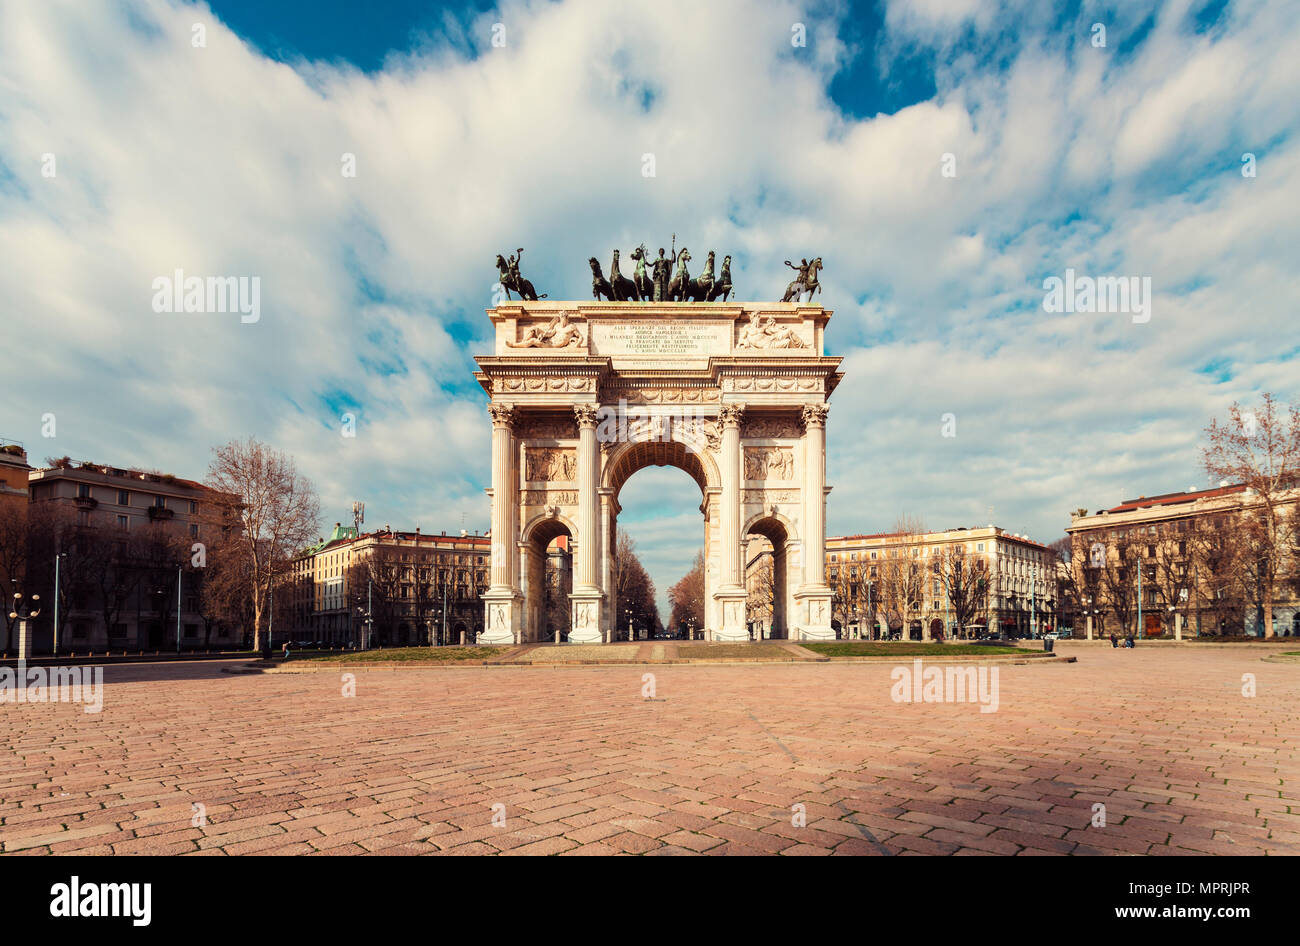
(716, 763)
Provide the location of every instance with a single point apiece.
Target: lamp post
(871, 608)
(56, 601)
(631, 634)
(23, 611)
(179, 569)
(1033, 602)
(1139, 628)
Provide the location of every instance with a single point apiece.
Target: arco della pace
(583, 395)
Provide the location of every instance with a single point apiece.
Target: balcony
(86, 502)
(160, 513)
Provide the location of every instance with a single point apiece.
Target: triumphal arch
(583, 395)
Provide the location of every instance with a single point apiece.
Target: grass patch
(403, 655)
(914, 649)
(738, 651)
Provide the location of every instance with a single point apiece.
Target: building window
(124, 522)
(123, 497)
(160, 502)
(194, 507)
(83, 491)
(194, 531)
(979, 546)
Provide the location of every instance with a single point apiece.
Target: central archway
(625, 460)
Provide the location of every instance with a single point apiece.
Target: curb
(305, 667)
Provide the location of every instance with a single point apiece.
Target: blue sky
(1123, 158)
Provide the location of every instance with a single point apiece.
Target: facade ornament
(557, 333)
(814, 415)
(763, 332)
(805, 281)
(732, 414)
(509, 278)
(586, 415)
(769, 463)
(503, 415)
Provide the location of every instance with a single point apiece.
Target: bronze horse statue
(680, 285)
(722, 285)
(624, 289)
(643, 284)
(599, 284)
(698, 289)
(806, 281)
(510, 279)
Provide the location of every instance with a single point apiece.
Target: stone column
(814, 597)
(1178, 626)
(1089, 627)
(586, 597)
(732, 415)
(502, 600)
(503, 441)
(731, 594)
(814, 418)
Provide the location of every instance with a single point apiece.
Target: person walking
(1114, 641)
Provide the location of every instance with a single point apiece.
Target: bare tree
(1261, 449)
(687, 597)
(269, 510)
(1118, 579)
(634, 590)
(1087, 565)
(965, 579)
(14, 548)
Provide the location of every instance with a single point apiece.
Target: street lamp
(23, 611)
(57, 558)
(368, 614)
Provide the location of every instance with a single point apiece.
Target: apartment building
(1187, 562)
(405, 587)
(905, 584)
(124, 540)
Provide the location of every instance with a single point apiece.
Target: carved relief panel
(551, 464)
(769, 463)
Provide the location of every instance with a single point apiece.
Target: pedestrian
(1128, 640)
(1114, 641)
(286, 650)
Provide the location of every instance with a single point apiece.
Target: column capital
(586, 415)
(732, 414)
(814, 415)
(503, 415)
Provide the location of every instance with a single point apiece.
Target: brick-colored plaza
(415, 762)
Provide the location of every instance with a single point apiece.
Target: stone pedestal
(584, 627)
(504, 617)
(731, 605)
(813, 607)
(24, 639)
(1178, 626)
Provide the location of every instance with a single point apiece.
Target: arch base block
(731, 605)
(813, 609)
(585, 616)
(502, 618)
